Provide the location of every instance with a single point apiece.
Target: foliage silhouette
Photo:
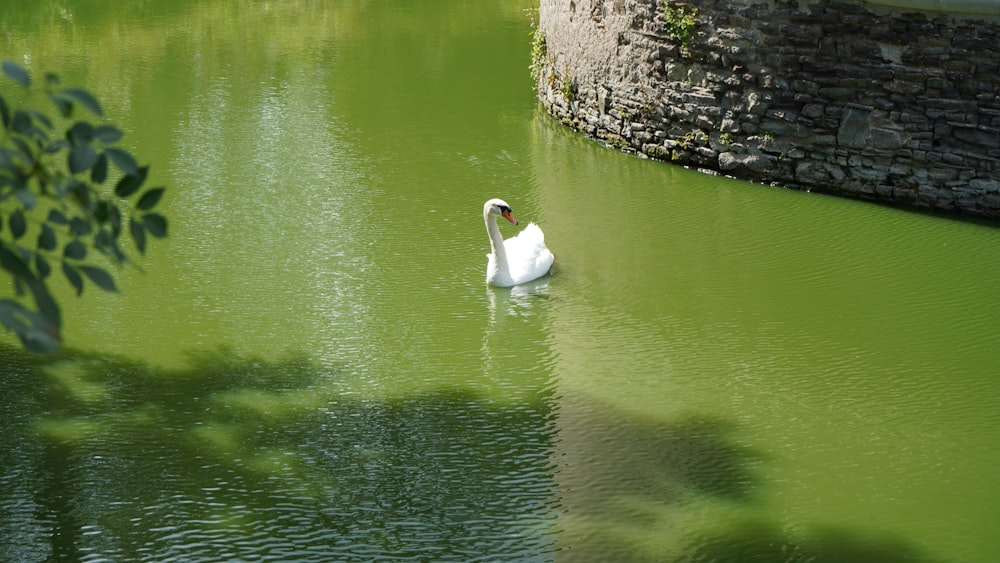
(64, 191)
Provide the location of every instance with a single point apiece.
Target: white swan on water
(519, 259)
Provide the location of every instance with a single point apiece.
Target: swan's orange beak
(506, 215)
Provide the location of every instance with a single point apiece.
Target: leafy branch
(679, 21)
(57, 203)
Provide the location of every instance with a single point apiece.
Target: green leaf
(107, 134)
(21, 123)
(80, 191)
(101, 211)
(102, 238)
(42, 265)
(56, 217)
(150, 198)
(16, 73)
(156, 224)
(47, 238)
(85, 98)
(14, 264)
(80, 133)
(75, 250)
(73, 277)
(128, 185)
(109, 246)
(47, 306)
(123, 160)
(25, 253)
(37, 334)
(24, 152)
(63, 103)
(81, 158)
(39, 341)
(80, 227)
(99, 172)
(13, 315)
(138, 235)
(115, 220)
(101, 277)
(40, 117)
(18, 225)
(57, 145)
(8, 159)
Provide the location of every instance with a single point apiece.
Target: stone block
(855, 128)
(730, 126)
(782, 128)
(656, 151)
(985, 185)
(905, 87)
(813, 110)
(818, 173)
(824, 140)
(978, 136)
(952, 159)
(991, 202)
(730, 161)
(887, 139)
(838, 94)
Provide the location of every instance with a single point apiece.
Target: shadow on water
(241, 459)
(684, 491)
(237, 459)
(762, 541)
(627, 482)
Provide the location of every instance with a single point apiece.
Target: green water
(311, 368)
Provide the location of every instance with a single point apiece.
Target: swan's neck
(496, 242)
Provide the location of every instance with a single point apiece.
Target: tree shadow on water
(660, 484)
(754, 540)
(233, 458)
(624, 478)
(91, 442)
(700, 454)
(667, 460)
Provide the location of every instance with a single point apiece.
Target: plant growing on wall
(58, 203)
(538, 52)
(568, 86)
(679, 21)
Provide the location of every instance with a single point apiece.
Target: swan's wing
(528, 240)
(527, 254)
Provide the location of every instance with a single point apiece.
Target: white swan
(519, 259)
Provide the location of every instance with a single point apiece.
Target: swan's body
(519, 259)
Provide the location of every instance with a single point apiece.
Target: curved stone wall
(855, 99)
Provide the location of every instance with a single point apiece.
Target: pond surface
(311, 367)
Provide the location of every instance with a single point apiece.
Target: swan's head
(498, 207)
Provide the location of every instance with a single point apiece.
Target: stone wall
(841, 97)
